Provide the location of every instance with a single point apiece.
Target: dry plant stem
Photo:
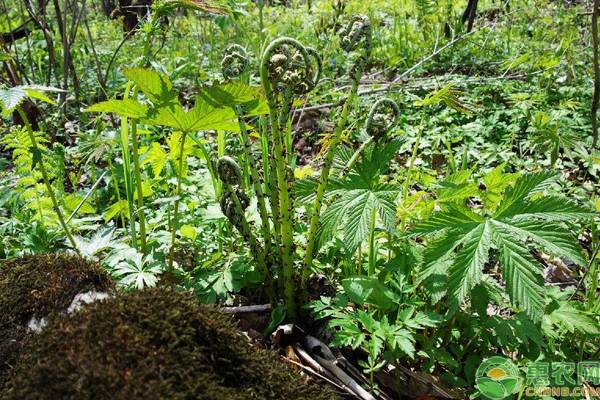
(175, 222)
(49, 189)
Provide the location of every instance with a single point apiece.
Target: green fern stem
(244, 227)
(124, 141)
(357, 32)
(262, 207)
(47, 183)
(278, 67)
(116, 185)
(138, 182)
(323, 180)
(175, 221)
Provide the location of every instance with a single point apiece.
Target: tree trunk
(470, 14)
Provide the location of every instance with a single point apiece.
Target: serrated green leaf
(123, 108)
(524, 187)
(155, 86)
(551, 236)
(369, 290)
(467, 269)
(524, 281)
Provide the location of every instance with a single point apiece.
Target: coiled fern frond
(235, 61)
(229, 171)
(288, 66)
(382, 117)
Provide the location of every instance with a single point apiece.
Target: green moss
(38, 287)
(153, 344)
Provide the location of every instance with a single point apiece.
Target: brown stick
(262, 308)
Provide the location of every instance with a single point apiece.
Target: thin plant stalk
(356, 34)
(127, 172)
(49, 189)
(138, 182)
(175, 221)
(320, 192)
(252, 163)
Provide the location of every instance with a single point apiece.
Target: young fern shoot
(285, 71)
(357, 34)
(235, 63)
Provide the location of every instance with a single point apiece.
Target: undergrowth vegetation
(419, 180)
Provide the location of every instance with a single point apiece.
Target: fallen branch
(262, 308)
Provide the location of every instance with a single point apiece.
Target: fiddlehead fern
(285, 70)
(382, 117)
(235, 61)
(287, 66)
(357, 34)
(229, 171)
(234, 203)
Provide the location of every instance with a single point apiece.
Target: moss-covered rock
(153, 344)
(32, 289)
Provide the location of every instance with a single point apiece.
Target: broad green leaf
(230, 94)
(120, 207)
(369, 290)
(155, 86)
(123, 108)
(188, 231)
(157, 157)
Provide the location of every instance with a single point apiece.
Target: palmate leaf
(550, 208)
(455, 217)
(232, 94)
(553, 237)
(523, 217)
(525, 186)
(466, 270)
(124, 108)
(156, 87)
(524, 280)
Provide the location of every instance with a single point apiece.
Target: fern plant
(10, 101)
(523, 219)
(287, 69)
